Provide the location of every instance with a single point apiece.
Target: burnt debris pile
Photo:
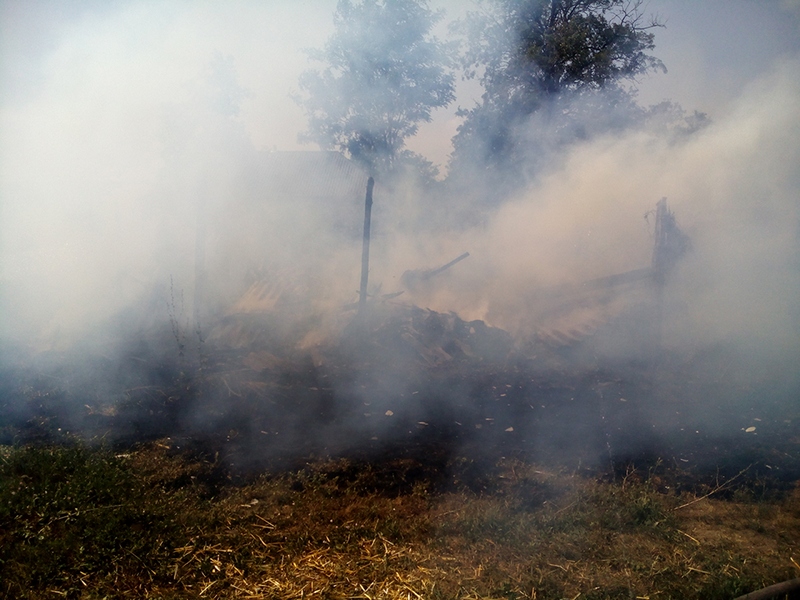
(275, 381)
(400, 380)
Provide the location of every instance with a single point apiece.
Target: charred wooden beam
(434, 272)
(411, 278)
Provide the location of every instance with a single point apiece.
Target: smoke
(733, 186)
(117, 142)
(120, 127)
(138, 177)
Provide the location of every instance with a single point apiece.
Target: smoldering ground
(118, 193)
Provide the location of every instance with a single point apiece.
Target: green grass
(71, 517)
(79, 522)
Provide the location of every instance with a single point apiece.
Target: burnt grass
(419, 455)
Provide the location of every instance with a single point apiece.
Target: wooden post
(660, 247)
(659, 270)
(362, 297)
(670, 245)
(670, 242)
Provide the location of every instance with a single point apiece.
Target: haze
(118, 118)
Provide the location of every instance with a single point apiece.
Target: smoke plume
(142, 187)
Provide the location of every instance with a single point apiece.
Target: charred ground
(417, 453)
(411, 383)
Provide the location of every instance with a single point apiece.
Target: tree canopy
(540, 56)
(384, 73)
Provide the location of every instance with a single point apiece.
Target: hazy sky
(115, 116)
(94, 60)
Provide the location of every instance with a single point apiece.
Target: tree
(561, 60)
(384, 75)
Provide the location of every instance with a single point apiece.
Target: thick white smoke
(121, 127)
(133, 142)
(132, 125)
(733, 186)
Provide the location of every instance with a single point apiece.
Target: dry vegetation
(157, 523)
(473, 479)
